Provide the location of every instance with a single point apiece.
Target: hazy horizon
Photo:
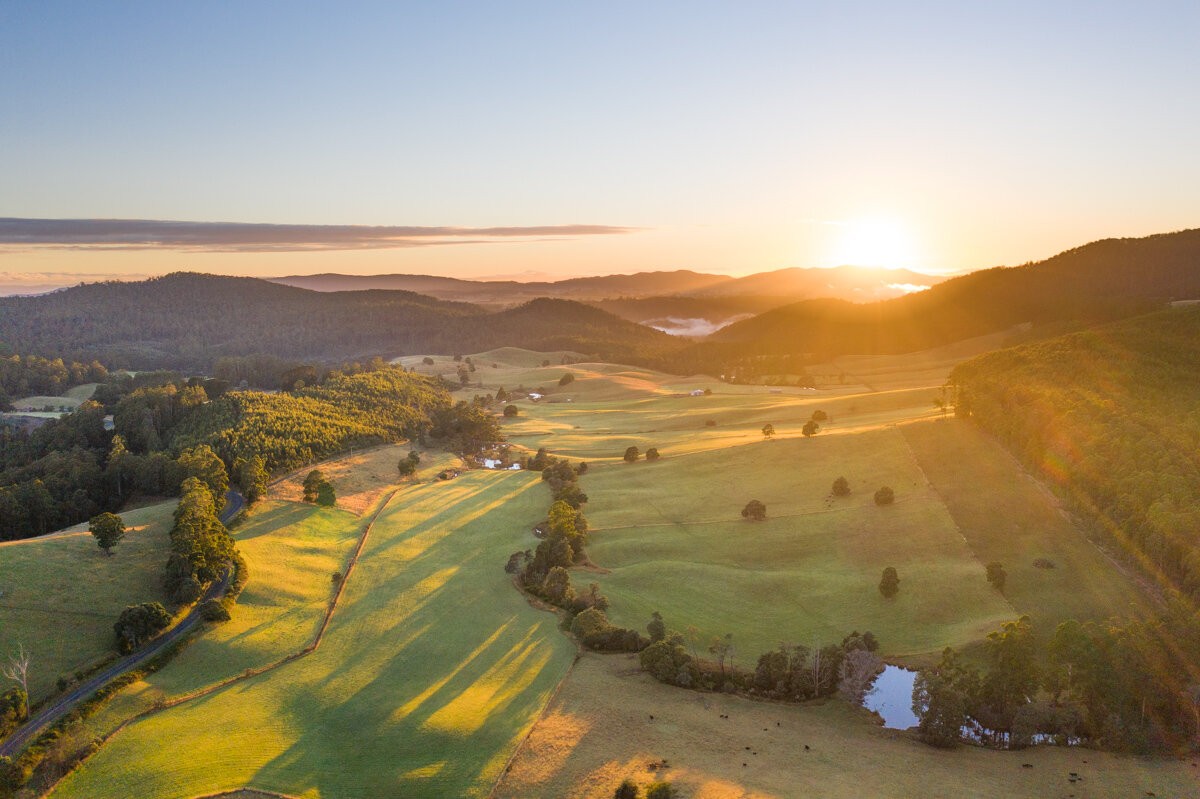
(576, 141)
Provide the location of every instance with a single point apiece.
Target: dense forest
(71, 468)
(1110, 417)
(190, 321)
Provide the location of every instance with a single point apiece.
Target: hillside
(1104, 280)
(1108, 414)
(187, 321)
(509, 292)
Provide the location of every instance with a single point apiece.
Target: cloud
(142, 234)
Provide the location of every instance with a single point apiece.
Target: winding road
(234, 502)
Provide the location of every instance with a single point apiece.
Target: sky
(551, 139)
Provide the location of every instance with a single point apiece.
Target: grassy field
(60, 595)
(599, 731)
(1007, 517)
(672, 535)
(361, 480)
(430, 673)
(291, 551)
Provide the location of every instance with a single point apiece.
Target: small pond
(891, 697)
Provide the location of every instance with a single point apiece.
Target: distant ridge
(1101, 281)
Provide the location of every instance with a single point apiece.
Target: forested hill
(1105, 280)
(1112, 415)
(187, 321)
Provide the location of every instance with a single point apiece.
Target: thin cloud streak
(143, 234)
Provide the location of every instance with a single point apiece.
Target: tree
(326, 497)
(108, 529)
(567, 379)
(841, 487)
(427, 361)
(631, 454)
(819, 416)
(941, 708)
(768, 430)
(885, 496)
(755, 511)
(17, 670)
(889, 583)
(652, 454)
(510, 411)
(252, 477)
(201, 462)
(627, 790)
(312, 483)
(810, 428)
(656, 627)
(408, 464)
(996, 575)
(139, 623)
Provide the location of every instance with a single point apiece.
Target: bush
(841, 487)
(710, 422)
(213, 610)
(139, 623)
(510, 411)
(627, 790)
(820, 416)
(427, 361)
(885, 496)
(567, 379)
(996, 575)
(660, 790)
(632, 454)
(755, 511)
(652, 454)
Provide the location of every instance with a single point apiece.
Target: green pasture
(431, 671)
(1007, 517)
(595, 430)
(672, 535)
(60, 594)
(291, 552)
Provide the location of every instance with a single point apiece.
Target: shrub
(660, 790)
(885, 496)
(841, 487)
(996, 575)
(213, 610)
(627, 790)
(510, 411)
(820, 416)
(755, 511)
(632, 454)
(652, 454)
(567, 379)
(710, 422)
(427, 361)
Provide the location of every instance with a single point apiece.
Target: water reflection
(891, 697)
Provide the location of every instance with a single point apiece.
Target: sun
(874, 241)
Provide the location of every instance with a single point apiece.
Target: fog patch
(692, 327)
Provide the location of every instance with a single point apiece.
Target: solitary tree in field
(652, 454)
(889, 584)
(108, 529)
(885, 496)
(819, 416)
(567, 379)
(311, 483)
(510, 411)
(768, 430)
(841, 487)
(996, 575)
(810, 428)
(632, 454)
(408, 464)
(17, 670)
(755, 511)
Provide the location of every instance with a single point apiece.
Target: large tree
(108, 529)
